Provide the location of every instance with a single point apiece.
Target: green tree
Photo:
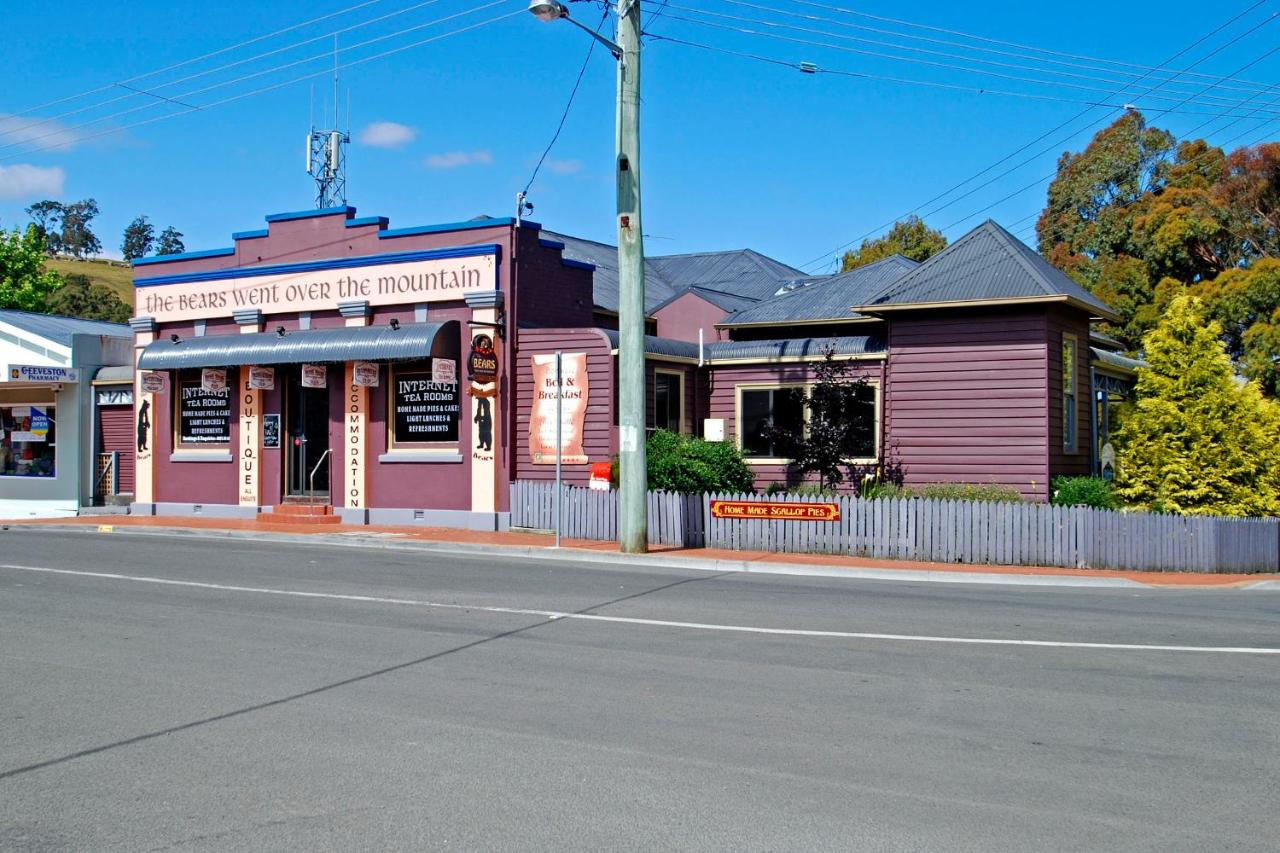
(170, 242)
(79, 297)
(1196, 441)
(910, 238)
(46, 216)
(1090, 209)
(841, 423)
(1246, 302)
(78, 238)
(139, 237)
(1250, 195)
(25, 284)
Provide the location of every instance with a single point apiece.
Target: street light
(633, 522)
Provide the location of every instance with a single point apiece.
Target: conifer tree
(1198, 441)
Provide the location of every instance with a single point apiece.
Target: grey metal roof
(359, 343)
(1115, 359)
(654, 345)
(60, 329)
(987, 264)
(741, 272)
(114, 373)
(733, 277)
(794, 347)
(827, 298)
(605, 278)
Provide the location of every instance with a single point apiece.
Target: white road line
(653, 623)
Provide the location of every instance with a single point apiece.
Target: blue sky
(736, 152)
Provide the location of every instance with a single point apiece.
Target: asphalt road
(145, 716)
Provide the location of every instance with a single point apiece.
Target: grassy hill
(111, 273)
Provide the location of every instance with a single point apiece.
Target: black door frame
(307, 439)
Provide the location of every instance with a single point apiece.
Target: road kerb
(680, 560)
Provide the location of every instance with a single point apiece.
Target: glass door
(307, 426)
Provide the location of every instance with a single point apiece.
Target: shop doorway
(307, 426)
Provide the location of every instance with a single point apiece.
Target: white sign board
(365, 374)
(262, 378)
(38, 373)
(213, 380)
(314, 376)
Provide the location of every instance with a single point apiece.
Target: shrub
(879, 491)
(680, 464)
(1084, 491)
(804, 490)
(967, 492)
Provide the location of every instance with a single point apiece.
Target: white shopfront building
(48, 460)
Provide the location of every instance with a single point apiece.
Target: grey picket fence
(674, 519)
(1009, 534)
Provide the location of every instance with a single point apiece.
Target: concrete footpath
(542, 546)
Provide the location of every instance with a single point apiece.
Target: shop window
(426, 404)
(764, 412)
(668, 401)
(202, 410)
(1070, 413)
(28, 441)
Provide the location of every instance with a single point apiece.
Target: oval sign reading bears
(483, 364)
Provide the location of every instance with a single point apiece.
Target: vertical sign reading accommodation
(250, 473)
(542, 420)
(361, 376)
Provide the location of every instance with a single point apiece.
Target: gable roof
(728, 280)
(988, 265)
(60, 329)
(740, 272)
(825, 298)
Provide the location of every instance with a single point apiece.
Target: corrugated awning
(313, 346)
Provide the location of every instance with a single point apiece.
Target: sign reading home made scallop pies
(425, 410)
(776, 511)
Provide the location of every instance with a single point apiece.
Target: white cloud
(454, 159)
(387, 134)
(23, 181)
(564, 167)
(45, 134)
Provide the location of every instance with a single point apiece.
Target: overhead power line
(1038, 68)
(925, 62)
(309, 76)
(985, 39)
(139, 77)
(154, 89)
(836, 251)
(62, 131)
(1091, 64)
(564, 116)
